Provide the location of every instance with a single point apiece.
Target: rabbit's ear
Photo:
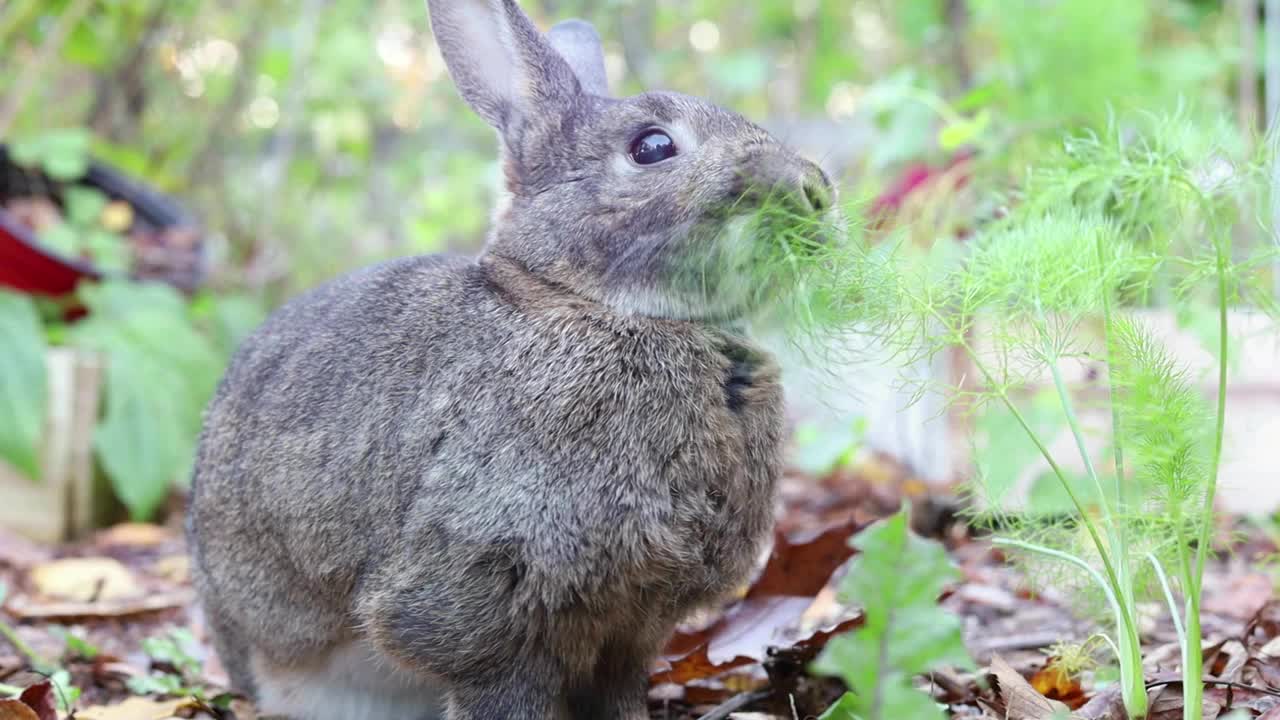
(501, 64)
(578, 43)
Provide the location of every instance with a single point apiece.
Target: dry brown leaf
(1272, 648)
(174, 568)
(1240, 698)
(1242, 597)
(1055, 684)
(18, 552)
(1106, 705)
(84, 579)
(141, 535)
(135, 708)
(797, 570)
(1227, 663)
(40, 698)
(26, 609)
(801, 566)
(1166, 698)
(16, 710)
(1019, 698)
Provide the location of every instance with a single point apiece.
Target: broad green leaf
(161, 373)
(234, 318)
(108, 251)
(820, 448)
(63, 153)
(896, 578)
(84, 205)
(22, 384)
(62, 239)
(141, 440)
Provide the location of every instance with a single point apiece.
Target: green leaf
(156, 684)
(63, 154)
(140, 440)
(963, 132)
(22, 384)
(896, 579)
(84, 205)
(823, 448)
(234, 317)
(174, 648)
(75, 645)
(86, 47)
(161, 372)
(108, 251)
(844, 709)
(61, 239)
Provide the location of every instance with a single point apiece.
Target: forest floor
(116, 613)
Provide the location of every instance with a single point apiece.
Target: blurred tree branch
(126, 81)
(205, 161)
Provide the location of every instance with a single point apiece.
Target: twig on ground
(736, 703)
(1221, 683)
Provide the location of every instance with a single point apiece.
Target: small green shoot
(180, 669)
(75, 645)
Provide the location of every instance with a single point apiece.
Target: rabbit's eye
(652, 146)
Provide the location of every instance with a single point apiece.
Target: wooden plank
(58, 505)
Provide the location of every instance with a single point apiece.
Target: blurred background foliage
(311, 137)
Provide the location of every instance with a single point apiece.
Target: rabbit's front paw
(748, 368)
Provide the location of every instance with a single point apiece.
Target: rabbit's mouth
(736, 269)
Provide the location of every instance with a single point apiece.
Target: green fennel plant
(1103, 229)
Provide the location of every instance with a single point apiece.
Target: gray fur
(578, 43)
(499, 482)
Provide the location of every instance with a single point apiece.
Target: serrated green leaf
(22, 384)
(896, 579)
(881, 578)
(140, 440)
(161, 372)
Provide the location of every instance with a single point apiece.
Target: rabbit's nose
(817, 193)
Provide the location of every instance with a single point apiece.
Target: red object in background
(913, 179)
(26, 266)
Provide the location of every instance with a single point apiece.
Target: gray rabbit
(488, 488)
